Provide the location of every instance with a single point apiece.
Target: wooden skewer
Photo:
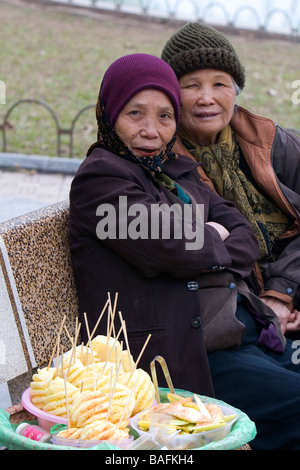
(112, 392)
(81, 352)
(62, 365)
(138, 359)
(110, 320)
(108, 324)
(57, 357)
(87, 327)
(127, 403)
(113, 314)
(94, 377)
(89, 342)
(52, 355)
(67, 404)
(76, 340)
(143, 349)
(101, 373)
(69, 366)
(73, 356)
(110, 353)
(109, 392)
(58, 340)
(99, 319)
(126, 342)
(68, 335)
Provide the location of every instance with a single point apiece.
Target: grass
(59, 57)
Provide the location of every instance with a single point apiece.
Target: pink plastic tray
(45, 420)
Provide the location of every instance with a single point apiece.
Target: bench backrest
(37, 288)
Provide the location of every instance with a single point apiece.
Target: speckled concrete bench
(37, 290)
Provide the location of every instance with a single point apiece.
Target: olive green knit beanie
(198, 46)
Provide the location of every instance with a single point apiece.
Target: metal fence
(262, 22)
(142, 7)
(59, 130)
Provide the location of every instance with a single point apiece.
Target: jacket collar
(180, 166)
(256, 136)
(182, 150)
(254, 130)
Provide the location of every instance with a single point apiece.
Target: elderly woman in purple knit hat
(143, 224)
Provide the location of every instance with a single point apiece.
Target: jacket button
(232, 286)
(289, 290)
(192, 286)
(196, 322)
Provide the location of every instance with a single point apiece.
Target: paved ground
(23, 191)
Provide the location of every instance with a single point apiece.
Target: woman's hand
(223, 232)
(289, 321)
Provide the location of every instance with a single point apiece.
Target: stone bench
(37, 290)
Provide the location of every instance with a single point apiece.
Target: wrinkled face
(207, 104)
(147, 123)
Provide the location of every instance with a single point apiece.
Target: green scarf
(221, 161)
(169, 184)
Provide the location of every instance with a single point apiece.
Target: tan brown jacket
(273, 156)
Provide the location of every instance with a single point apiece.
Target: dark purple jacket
(154, 278)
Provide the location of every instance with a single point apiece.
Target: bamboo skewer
(113, 313)
(114, 344)
(77, 330)
(110, 320)
(72, 358)
(57, 341)
(111, 351)
(109, 393)
(52, 355)
(68, 335)
(110, 317)
(139, 358)
(72, 342)
(112, 392)
(127, 403)
(99, 319)
(67, 404)
(107, 327)
(69, 366)
(81, 352)
(90, 344)
(57, 357)
(143, 349)
(126, 342)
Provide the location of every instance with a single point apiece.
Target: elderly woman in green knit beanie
(253, 162)
(248, 159)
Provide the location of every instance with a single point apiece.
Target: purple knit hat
(133, 73)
